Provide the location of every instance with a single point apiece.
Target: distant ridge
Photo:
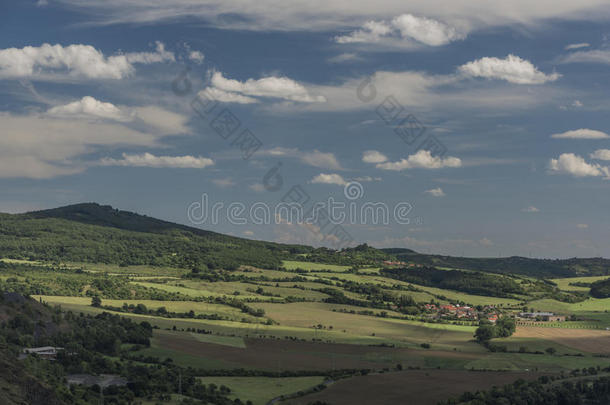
(90, 232)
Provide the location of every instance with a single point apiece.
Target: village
(489, 312)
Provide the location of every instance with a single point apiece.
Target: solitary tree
(96, 302)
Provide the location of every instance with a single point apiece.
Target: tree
(485, 333)
(505, 327)
(96, 301)
(551, 350)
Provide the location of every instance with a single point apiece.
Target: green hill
(541, 268)
(95, 233)
(101, 234)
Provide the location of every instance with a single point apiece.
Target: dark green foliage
(600, 289)
(486, 331)
(99, 234)
(469, 282)
(544, 391)
(505, 327)
(549, 268)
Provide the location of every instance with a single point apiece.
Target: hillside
(540, 268)
(100, 234)
(94, 233)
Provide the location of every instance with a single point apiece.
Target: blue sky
(516, 93)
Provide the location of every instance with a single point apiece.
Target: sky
(464, 128)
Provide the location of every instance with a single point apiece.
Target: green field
(260, 390)
(564, 283)
(310, 266)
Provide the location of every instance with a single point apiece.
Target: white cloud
(227, 97)
(513, 69)
(581, 133)
(226, 182)
(51, 144)
(269, 87)
(196, 56)
(601, 154)
(258, 187)
(315, 158)
(344, 58)
(76, 60)
(530, 209)
(330, 15)
(332, 178)
(89, 107)
(425, 30)
(322, 160)
(406, 29)
(150, 160)
(150, 118)
(422, 159)
(373, 156)
(436, 192)
(160, 55)
(366, 179)
(593, 56)
(569, 163)
(577, 46)
(582, 226)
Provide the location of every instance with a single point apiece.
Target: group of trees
(466, 281)
(544, 391)
(504, 327)
(600, 289)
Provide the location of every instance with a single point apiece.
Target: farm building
(545, 316)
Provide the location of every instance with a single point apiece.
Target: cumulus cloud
(569, 163)
(577, 46)
(513, 69)
(196, 56)
(530, 209)
(331, 178)
(373, 156)
(421, 160)
(89, 107)
(150, 160)
(50, 144)
(273, 87)
(322, 160)
(601, 154)
(76, 60)
(405, 28)
(581, 133)
(436, 192)
(315, 158)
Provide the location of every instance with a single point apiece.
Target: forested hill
(511, 265)
(94, 233)
(101, 234)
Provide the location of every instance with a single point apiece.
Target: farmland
(353, 323)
